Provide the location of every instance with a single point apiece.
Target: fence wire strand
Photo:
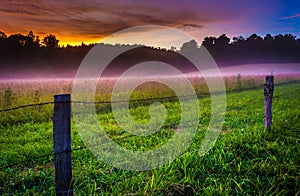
(26, 106)
(199, 95)
(120, 101)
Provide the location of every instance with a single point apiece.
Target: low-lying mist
(245, 70)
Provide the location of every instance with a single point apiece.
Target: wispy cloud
(190, 27)
(290, 17)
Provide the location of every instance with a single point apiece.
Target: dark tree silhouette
(254, 49)
(32, 40)
(209, 42)
(238, 39)
(222, 41)
(25, 51)
(2, 35)
(50, 41)
(17, 39)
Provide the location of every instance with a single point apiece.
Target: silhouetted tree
(17, 39)
(222, 41)
(209, 42)
(2, 35)
(268, 37)
(29, 39)
(50, 41)
(37, 41)
(238, 39)
(31, 35)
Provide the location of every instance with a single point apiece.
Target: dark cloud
(190, 27)
(141, 18)
(17, 11)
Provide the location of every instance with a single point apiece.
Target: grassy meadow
(245, 160)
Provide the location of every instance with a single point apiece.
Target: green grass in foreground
(244, 160)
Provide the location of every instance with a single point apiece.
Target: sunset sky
(89, 21)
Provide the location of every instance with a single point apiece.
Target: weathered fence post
(62, 144)
(268, 92)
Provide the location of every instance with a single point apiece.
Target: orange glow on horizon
(77, 41)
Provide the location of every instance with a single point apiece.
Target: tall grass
(23, 92)
(246, 159)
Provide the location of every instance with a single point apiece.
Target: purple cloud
(291, 17)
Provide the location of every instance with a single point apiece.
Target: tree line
(254, 49)
(19, 51)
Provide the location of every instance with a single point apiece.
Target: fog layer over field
(258, 69)
(245, 70)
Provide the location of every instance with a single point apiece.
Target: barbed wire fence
(141, 100)
(168, 98)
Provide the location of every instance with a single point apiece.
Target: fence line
(26, 106)
(137, 100)
(106, 102)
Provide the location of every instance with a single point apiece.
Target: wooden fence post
(62, 145)
(268, 93)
